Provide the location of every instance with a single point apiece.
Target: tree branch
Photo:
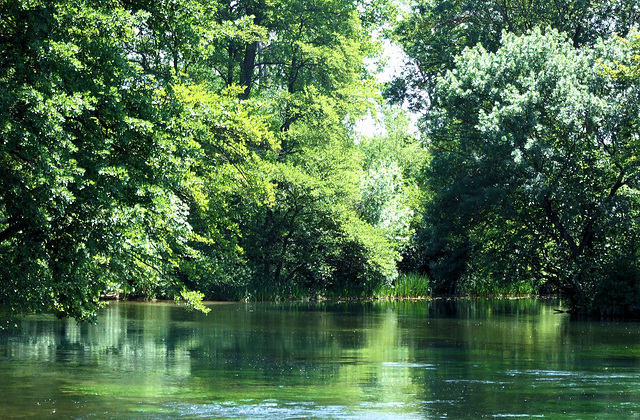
(555, 220)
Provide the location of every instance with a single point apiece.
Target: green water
(404, 360)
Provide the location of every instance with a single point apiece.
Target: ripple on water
(270, 409)
(560, 375)
(475, 381)
(541, 372)
(427, 366)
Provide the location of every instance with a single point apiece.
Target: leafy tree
(309, 74)
(312, 242)
(393, 170)
(229, 144)
(534, 173)
(269, 222)
(171, 35)
(163, 148)
(82, 196)
(435, 32)
(288, 42)
(118, 158)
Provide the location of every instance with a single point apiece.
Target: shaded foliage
(80, 159)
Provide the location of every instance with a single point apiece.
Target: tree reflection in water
(459, 358)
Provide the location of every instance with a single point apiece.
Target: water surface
(404, 360)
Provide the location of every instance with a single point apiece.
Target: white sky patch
(394, 59)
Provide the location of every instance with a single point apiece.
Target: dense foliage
(168, 148)
(435, 32)
(530, 115)
(534, 167)
(208, 149)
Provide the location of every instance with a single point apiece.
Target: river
(472, 358)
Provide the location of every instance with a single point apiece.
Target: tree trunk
(247, 68)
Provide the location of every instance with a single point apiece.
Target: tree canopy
(534, 171)
(435, 32)
(194, 149)
(171, 147)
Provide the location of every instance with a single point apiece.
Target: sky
(395, 59)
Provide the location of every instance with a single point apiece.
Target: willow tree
(534, 173)
(435, 32)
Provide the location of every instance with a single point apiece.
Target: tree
(114, 147)
(392, 193)
(310, 76)
(434, 33)
(534, 173)
(161, 148)
(84, 197)
(310, 239)
(229, 149)
(266, 221)
(287, 44)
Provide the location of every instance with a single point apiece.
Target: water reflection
(458, 359)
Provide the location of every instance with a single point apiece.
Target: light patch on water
(450, 402)
(427, 366)
(270, 409)
(262, 410)
(577, 378)
(615, 376)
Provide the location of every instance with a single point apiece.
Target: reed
(406, 286)
(488, 289)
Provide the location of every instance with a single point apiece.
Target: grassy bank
(406, 286)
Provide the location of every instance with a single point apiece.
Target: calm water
(404, 360)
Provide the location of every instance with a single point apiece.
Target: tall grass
(406, 286)
(493, 289)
